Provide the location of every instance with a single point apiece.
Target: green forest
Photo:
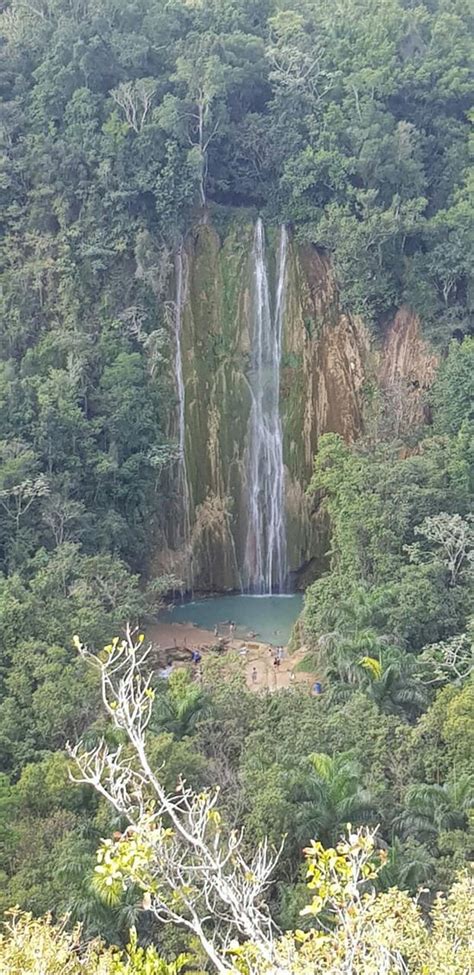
(124, 124)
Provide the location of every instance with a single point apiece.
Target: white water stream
(182, 488)
(265, 566)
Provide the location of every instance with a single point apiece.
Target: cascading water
(182, 488)
(265, 551)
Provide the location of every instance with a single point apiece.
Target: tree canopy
(122, 127)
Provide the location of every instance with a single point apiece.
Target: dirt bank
(179, 635)
(176, 638)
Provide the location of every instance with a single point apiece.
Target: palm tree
(179, 710)
(328, 795)
(432, 809)
(408, 866)
(103, 915)
(343, 651)
(355, 636)
(392, 681)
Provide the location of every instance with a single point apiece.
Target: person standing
(254, 675)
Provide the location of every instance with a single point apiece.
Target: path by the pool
(179, 637)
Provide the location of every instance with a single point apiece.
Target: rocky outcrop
(406, 371)
(325, 356)
(215, 350)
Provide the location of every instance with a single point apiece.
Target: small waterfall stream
(265, 551)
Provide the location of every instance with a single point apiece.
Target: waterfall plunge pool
(269, 618)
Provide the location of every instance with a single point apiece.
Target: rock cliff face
(407, 368)
(326, 361)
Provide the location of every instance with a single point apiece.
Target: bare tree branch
(191, 868)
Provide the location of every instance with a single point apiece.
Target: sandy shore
(258, 657)
(167, 635)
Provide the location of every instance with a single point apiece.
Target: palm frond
(373, 666)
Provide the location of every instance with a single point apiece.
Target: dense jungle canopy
(124, 126)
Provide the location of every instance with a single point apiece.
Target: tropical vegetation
(123, 124)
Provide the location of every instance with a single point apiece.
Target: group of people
(230, 624)
(277, 654)
(196, 657)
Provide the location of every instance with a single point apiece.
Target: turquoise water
(270, 618)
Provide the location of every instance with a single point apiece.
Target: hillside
(236, 356)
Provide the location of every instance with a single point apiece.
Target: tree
(62, 516)
(21, 486)
(200, 76)
(379, 933)
(408, 866)
(329, 794)
(297, 67)
(352, 652)
(191, 873)
(190, 867)
(393, 681)
(371, 933)
(135, 98)
(452, 394)
(375, 500)
(27, 943)
(432, 809)
(454, 537)
(183, 705)
(26, 940)
(452, 660)
(349, 122)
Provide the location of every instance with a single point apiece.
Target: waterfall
(265, 550)
(182, 488)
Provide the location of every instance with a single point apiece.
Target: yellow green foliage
(35, 947)
(30, 946)
(334, 874)
(362, 932)
(387, 933)
(123, 860)
(359, 931)
(378, 932)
